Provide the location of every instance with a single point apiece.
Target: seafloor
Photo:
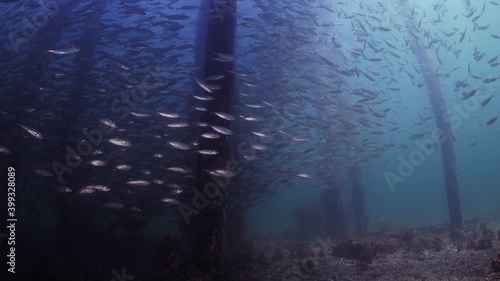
(428, 253)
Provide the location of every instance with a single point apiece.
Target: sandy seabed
(408, 255)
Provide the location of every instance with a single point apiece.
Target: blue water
(283, 67)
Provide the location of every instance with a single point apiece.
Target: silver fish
(201, 108)
(120, 142)
(138, 182)
(170, 201)
(32, 132)
(203, 98)
(208, 152)
(259, 134)
(108, 123)
(44, 173)
(135, 209)
(257, 146)
(178, 170)
(174, 185)
(203, 85)
(252, 118)
(176, 191)
(123, 167)
(98, 187)
(301, 139)
(222, 130)
(86, 191)
(250, 157)
(97, 163)
(65, 51)
(139, 114)
(303, 175)
(224, 115)
(178, 125)
(222, 173)
(202, 124)
(180, 145)
(169, 115)
(210, 135)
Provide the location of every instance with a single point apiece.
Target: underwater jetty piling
(331, 196)
(335, 215)
(358, 199)
(83, 64)
(91, 36)
(25, 93)
(36, 58)
(439, 107)
(209, 224)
